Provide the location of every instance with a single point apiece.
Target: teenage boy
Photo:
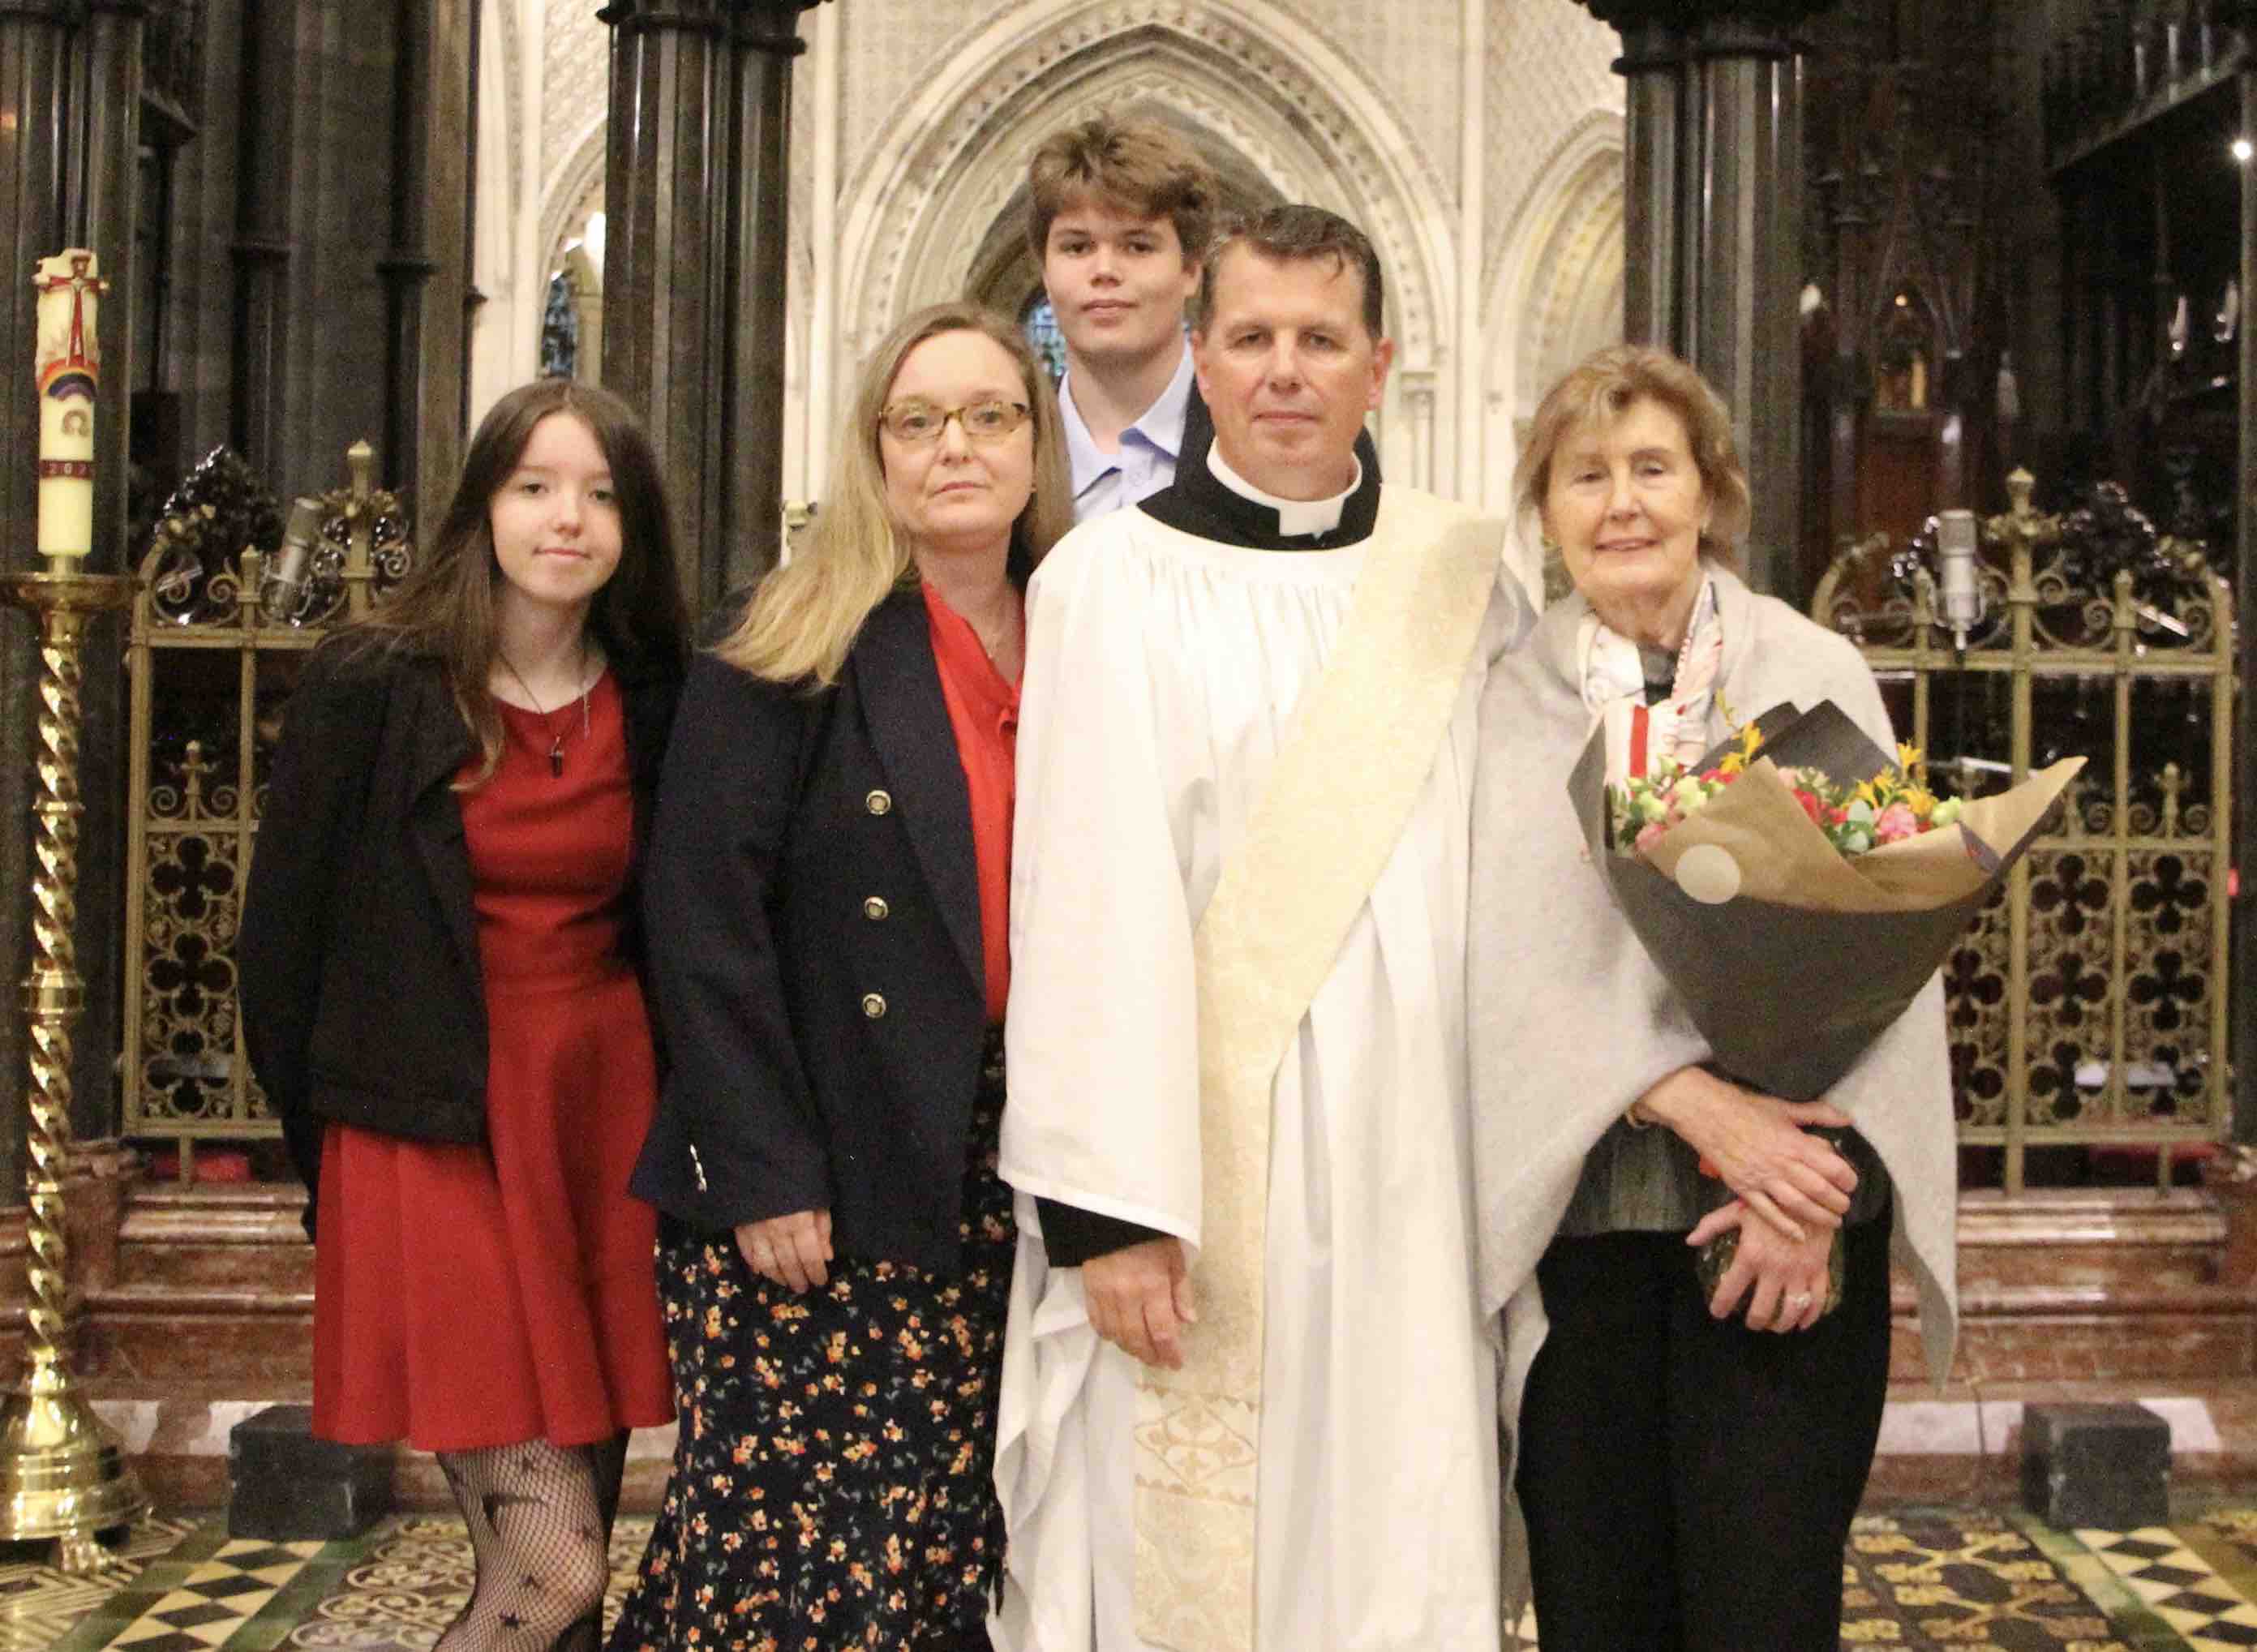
(1121, 213)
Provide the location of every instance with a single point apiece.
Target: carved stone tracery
(925, 192)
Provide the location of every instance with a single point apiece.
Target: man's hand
(788, 1251)
(1140, 1300)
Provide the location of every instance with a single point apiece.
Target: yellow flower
(1911, 759)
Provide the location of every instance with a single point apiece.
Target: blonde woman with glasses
(826, 896)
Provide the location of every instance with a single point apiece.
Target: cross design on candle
(69, 376)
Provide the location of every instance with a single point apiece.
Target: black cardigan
(818, 979)
(358, 960)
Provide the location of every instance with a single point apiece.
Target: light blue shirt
(1146, 463)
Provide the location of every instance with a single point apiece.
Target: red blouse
(984, 710)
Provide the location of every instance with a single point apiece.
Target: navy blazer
(817, 974)
(363, 998)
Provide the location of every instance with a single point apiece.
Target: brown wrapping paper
(1790, 958)
(1781, 856)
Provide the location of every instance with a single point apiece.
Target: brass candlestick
(62, 1474)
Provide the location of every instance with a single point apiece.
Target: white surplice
(1164, 674)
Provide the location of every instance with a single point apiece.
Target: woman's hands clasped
(1759, 1146)
(790, 1251)
(1784, 1280)
(1140, 1300)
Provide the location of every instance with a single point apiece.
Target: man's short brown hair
(1139, 167)
(1287, 235)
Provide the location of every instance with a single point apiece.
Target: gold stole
(1330, 815)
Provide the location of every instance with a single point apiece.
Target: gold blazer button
(875, 908)
(879, 802)
(874, 1005)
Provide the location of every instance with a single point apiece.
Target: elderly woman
(1723, 1439)
(826, 898)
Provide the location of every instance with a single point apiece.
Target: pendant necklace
(555, 739)
(1002, 635)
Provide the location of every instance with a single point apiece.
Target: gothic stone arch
(576, 188)
(1003, 272)
(1555, 289)
(1267, 90)
(1555, 294)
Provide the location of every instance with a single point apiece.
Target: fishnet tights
(540, 1517)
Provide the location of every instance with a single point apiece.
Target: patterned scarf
(1614, 688)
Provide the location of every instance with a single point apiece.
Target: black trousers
(1688, 1483)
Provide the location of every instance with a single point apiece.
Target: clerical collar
(1295, 516)
(1212, 501)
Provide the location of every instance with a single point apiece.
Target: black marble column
(260, 405)
(337, 259)
(426, 269)
(696, 199)
(1712, 227)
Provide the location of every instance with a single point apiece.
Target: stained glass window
(1040, 322)
(559, 331)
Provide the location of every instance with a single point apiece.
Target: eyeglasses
(917, 423)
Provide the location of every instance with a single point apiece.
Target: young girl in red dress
(439, 978)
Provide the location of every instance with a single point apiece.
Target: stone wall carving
(947, 166)
(1410, 54)
(1563, 265)
(512, 58)
(893, 57)
(575, 86)
(934, 105)
(1549, 64)
(574, 189)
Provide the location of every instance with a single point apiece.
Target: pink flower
(1652, 835)
(1897, 821)
(1811, 806)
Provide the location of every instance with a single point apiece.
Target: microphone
(1955, 556)
(284, 591)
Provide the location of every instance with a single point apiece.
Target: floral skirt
(833, 1482)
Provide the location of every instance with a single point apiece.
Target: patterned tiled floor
(1923, 1581)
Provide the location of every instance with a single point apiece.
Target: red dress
(474, 1296)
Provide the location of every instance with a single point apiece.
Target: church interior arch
(957, 157)
(1004, 273)
(1556, 295)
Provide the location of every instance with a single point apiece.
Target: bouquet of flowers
(1801, 886)
(1798, 888)
(1891, 806)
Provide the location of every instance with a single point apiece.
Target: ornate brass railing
(214, 648)
(2088, 1006)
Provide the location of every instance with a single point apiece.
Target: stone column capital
(1750, 17)
(756, 22)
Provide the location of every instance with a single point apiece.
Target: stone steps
(197, 1309)
(214, 1283)
(216, 1237)
(2096, 1285)
(208, 1284)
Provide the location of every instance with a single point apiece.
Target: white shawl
(1570, 1021)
